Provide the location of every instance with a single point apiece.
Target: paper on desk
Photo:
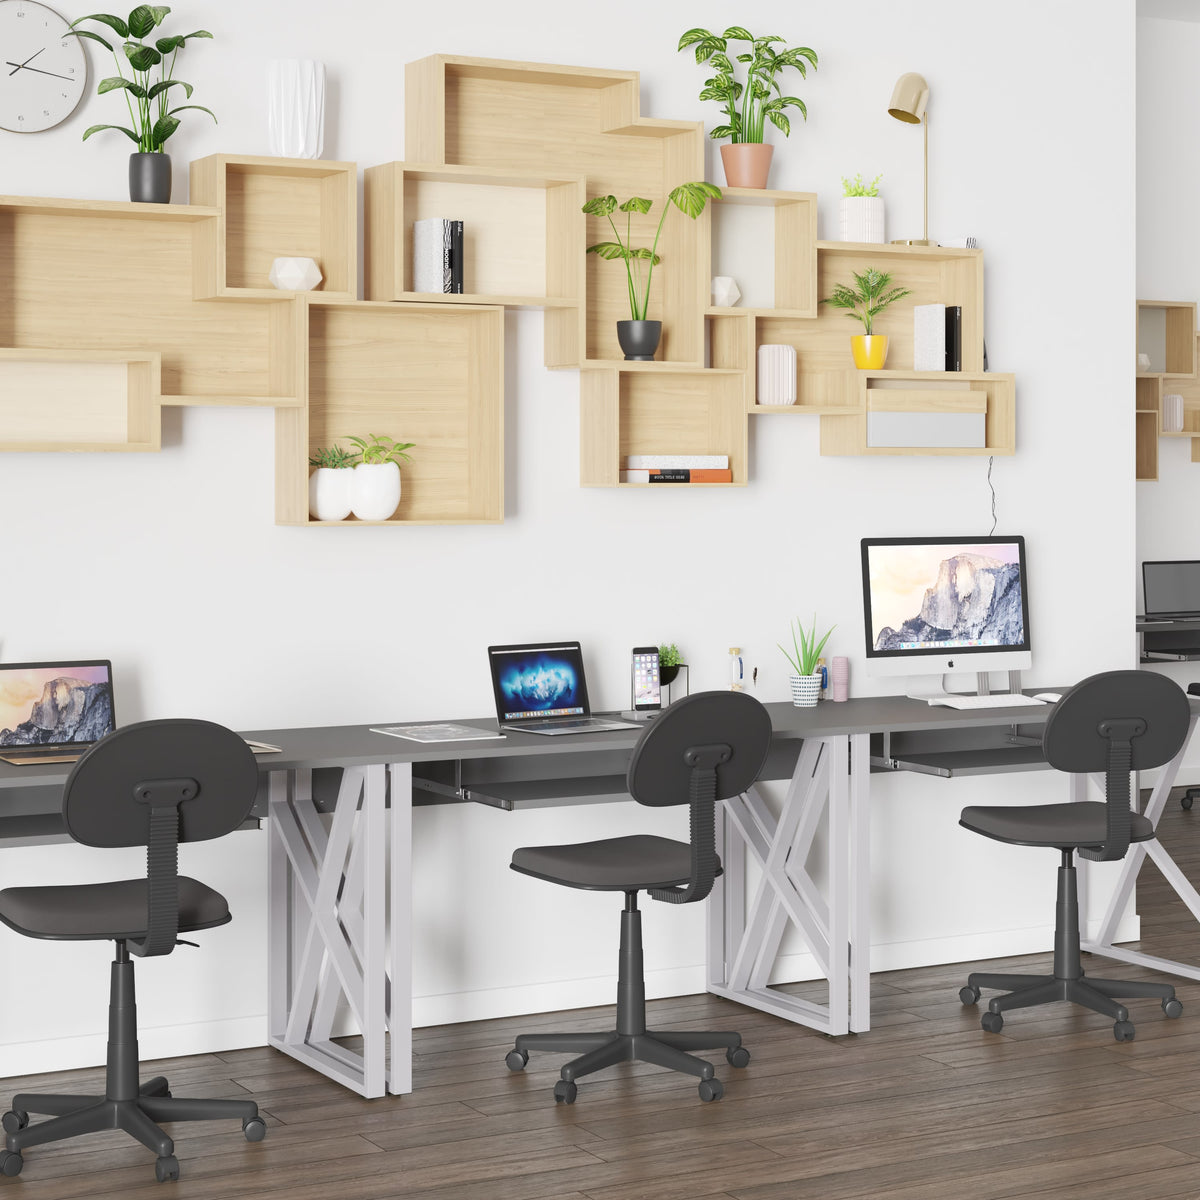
(446, 732)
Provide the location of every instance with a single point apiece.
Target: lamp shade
(909, 98)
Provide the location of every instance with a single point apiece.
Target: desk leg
(328, 924)
(859, 853)
(399, 1015)
(829, 780)
(1127, 879)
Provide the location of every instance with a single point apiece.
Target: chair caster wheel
(1123, 1031)
(1185, 801)
(969, 995)
(711, 1089)
(166, 1167)
(11, 1162)
(515, 1060)
(565, 1091)
(14, 1121)
(1173, 1008)
(992, 1022)
(255, 1129)
(739, 1056)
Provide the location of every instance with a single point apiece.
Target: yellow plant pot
(869, 350)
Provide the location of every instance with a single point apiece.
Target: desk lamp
(910, 98)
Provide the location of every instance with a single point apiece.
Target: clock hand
(17, 66)
(37, 71)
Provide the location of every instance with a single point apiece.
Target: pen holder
(839, 678)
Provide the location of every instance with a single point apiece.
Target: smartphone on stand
(647, 688)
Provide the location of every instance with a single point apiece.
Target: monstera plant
(639, 337)
(148, 92)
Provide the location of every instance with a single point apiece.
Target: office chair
(154, 784)
(1116, 722)
(702, 749)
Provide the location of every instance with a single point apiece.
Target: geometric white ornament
(725, 292)
(295, 274)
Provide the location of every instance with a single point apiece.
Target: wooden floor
(923, 1107)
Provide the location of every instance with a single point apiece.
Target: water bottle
(737, 678)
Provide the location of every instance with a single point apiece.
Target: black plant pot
(639, 339)
(150, 178)
(668, 675)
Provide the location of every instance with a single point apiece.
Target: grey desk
(339, 854)
(1168, 640)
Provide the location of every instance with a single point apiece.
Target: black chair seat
(1058, 825)
(623, 864)
(104, 911)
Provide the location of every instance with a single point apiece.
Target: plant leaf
(637, 204)
(108, 19)
(691, 37)
(116, 82)
(160, 13)
(95, 37)
(609, 250)
(141, 20)
(739, 34)
(163, 128)
(600, 206)
(644, 252)
(141, 58)
(162, 85)
(196, 108)
(779, 121)
(690, 198)
(722, 131)
(200, 33)
(166, 45)
(133, 137)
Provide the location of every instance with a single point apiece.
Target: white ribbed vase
(861, 218)
(296, 107)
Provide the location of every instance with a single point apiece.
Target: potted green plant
(375, 487)
(805, 679)
(860, 210)
(669, 662)
(749, 106)
(329, 485)
(152, 120)
(638, 336)
(872, 293)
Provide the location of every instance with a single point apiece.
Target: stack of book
(677, 468)
(438, 256)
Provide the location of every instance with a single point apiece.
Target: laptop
(1171, 589)
(542, 689)
(51, 712)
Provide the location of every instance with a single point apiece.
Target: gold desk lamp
(910, 100)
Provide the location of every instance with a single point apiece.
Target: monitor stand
(983, 687)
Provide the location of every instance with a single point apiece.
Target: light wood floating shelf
(276, 208)
(428, 374)
(1179, 353)
(79, 400)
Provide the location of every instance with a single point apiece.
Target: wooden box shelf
(93, 274)
(794, 254)
(423, 373)
(79, 400)
(276, 208)
(665, 411)
(477, 113)
(1166, 330)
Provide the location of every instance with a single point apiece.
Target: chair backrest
(702, 749)
(1117, 722)
(156, 784)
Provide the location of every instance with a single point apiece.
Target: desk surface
(357, 745)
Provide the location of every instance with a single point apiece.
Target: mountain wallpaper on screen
(975, 597)
(70, 710)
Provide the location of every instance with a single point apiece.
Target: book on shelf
(953, 337)
(678, 475)
(662, 462)
(929, 337)
(438, 256)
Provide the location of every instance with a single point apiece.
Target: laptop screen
(544, 680)
(1171, 587)
(55, 704)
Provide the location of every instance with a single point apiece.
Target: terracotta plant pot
(747, 164)
(869, 350)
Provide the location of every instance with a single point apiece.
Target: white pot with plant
(375, 487)
(329, 484)
(805, 679)
(860, 210)
(748, 106)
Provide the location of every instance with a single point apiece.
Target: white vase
(296, 107)
(862, 219)
(375, 491)
(806, 689)
(329, 493)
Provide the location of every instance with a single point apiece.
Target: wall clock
(43, 69)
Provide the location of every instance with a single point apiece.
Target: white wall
(171, 565)
(1168, 268)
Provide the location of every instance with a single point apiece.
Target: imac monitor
(938, 604)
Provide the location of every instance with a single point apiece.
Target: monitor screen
(1171, 588)
(55, 704)
(538, 681)
(944, 596)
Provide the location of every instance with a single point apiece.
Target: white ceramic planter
(806, 689)
(375, 491)
(296, 107)
(862, 219)
(329, 493)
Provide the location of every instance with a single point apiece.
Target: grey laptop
(1171, 589)
(52, 712)
(541, 689)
